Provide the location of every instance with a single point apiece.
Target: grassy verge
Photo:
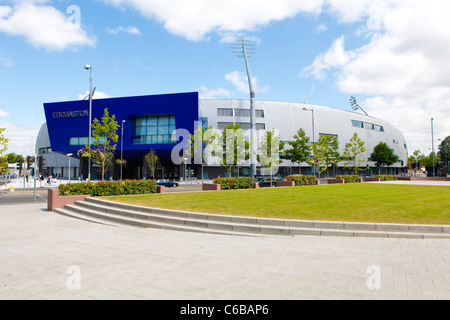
(351, 203)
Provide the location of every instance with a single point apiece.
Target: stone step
(97, 210)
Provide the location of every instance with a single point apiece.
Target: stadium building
(151, 122)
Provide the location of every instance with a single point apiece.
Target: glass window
(242, 113)
(224, 112)
(152, 131)
(73, 142)
(155, 129)
(141, 131)
(163, 121)
(358, 124)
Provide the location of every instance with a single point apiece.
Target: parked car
(264, 182)
(166, 183)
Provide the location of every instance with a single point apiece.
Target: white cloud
(21, 139)
(206, 93)
(335, 57)
(196, 19)
(240, 81)
(321, 28)
(129, 30)
(3, 114)
(5, 60)
(43, 26)
(97, 95)
(403, 68)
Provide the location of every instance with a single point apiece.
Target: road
(22, 197)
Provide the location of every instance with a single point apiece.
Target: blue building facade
(150, 123)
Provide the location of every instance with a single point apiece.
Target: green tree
(105, 139)
(300, 150)
(383, 156)
(319, 155)
(201, 145)
(353, 154)
(413, 160)
(3, 148)
(3, 141)
(12, 157)
(3, 164)
(151, 162)
(332, 155)
(444, 151)
(269, 151)
(234, 147)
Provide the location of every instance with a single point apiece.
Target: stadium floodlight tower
(245, 49)
(91, 94)
(356, 106)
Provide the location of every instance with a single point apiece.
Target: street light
(88, 67)
(432, 142)
(313, 127)
(246, 49)
(313, 120)
(121, 152)
(185, 167)
(69, 155)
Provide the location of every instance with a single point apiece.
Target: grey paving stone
(37, 247)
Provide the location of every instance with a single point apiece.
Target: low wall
(372, 179)
(160, 189)
(424, 178)
(55, 201)
(211, 187)
(285, 184)
(336, 181)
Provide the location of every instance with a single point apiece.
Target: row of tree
(231, 148)
(3, 147)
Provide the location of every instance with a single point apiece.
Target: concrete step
(101, 211)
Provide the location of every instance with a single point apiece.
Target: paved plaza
(47, 256)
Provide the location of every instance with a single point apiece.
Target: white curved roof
(43, 139)
(288, 118)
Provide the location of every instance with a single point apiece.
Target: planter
(372, 179)
(285, 184)
(55, 201)
(211, 187)
(336, 181)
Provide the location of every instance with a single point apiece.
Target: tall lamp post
(88, 67)
(69, 155)
(313, 125)
(244, 50)
(432, 142)
(121, 152)
(313, 128)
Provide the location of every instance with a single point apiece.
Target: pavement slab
(47, 256)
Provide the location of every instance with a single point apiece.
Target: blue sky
(382, 51)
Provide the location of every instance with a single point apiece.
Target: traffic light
(19, 165)
(30, 161)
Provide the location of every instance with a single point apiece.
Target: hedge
(235, 183)
(110, 188)
(349, 178)
(302, 180)
(385, 177)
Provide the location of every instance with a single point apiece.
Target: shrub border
(235, 183)
(109, 188)
(302, 180)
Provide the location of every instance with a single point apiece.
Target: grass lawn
(351, 202)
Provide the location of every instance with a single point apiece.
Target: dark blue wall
(62, 125)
